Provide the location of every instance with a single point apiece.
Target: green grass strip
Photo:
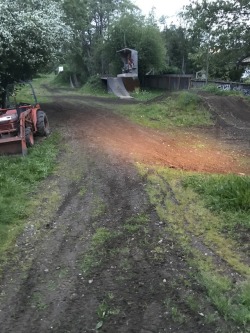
(19, 177)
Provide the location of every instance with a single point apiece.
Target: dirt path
(87, 262)
(218, 149)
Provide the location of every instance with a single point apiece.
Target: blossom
(31, 34)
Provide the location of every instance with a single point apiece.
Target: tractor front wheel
(29, 137)
(42, 123)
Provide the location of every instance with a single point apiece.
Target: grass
(19, 177)
(103, 247)
(197, 207)
(232, 302)
(146, 95)
(183, 109)
(213, 89)
(136, 223)
(24, 94)
(98, 207)
(226, 195)
(106, 310)
(98, 250)
(101, 237)
(38, 302)
(94, 86)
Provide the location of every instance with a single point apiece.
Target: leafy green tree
(178, 47)
(152, 50)
(221, 30)
(32, 33)
(123, 33)
(76, 58)
(91, 21)
(135, 32)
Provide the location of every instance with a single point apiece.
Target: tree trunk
(3, 99)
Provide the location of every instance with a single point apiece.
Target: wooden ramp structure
(116, 86)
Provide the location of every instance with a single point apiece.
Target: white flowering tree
(32, 32)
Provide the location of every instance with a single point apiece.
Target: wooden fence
(167, 82)
(183, 82)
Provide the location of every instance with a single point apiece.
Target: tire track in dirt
(130, 284)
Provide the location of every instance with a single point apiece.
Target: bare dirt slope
(81, 265)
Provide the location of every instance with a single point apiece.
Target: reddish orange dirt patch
(212, 149)
(177, 150)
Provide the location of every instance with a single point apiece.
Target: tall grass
(225, 194)
(19, 176)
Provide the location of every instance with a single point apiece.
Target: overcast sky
(167, 8)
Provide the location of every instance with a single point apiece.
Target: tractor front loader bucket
(13, 145)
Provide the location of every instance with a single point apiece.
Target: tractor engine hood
(9, 116)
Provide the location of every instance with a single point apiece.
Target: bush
(94, 86)
(187, 99)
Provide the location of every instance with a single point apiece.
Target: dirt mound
(233, 115)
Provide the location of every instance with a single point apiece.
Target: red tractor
(19, 125)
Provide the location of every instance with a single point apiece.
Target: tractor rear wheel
(42, 123)
(29, 137)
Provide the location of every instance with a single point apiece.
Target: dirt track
(60, 281)
(197, 149)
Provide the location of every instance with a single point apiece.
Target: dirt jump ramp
(116, 86)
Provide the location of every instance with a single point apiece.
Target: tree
(91, 21)
(178, 47)
(32, 32)
(221, 29)
(134, 31)
(152, 50)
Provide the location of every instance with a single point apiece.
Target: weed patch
(103, 244)
(99, 207)
(106, 310)
(134, 224)
(232, 303)
(99, 250)
(38, 302)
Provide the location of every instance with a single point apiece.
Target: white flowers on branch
(31, 33)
